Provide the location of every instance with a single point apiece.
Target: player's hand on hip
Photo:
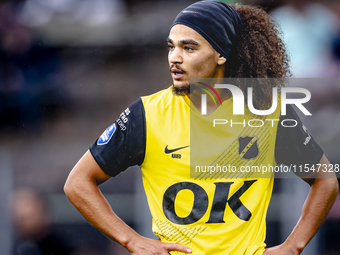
(281, 250)
(146, 246)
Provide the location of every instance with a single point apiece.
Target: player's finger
(176, 247)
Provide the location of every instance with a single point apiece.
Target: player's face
(191, 56)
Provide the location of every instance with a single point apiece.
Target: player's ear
(221, 60)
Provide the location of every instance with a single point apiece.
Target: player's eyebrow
(185, 41)
(188, 41)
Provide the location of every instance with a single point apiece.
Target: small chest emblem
(248, 148)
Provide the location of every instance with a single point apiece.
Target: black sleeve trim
(126, 146)
(294, 145)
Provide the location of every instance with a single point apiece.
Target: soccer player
(208, 39)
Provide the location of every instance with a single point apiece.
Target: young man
(209, 39)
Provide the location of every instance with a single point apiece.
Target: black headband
(217, 22)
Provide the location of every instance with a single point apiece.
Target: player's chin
(181, 88)
(181, 83)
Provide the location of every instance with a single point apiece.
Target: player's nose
(175, 56)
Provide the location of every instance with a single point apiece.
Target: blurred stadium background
(68, 68)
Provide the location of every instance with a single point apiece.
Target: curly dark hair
(258, 53)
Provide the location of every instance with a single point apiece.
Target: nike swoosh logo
(167, 151)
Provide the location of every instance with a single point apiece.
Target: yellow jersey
(212, 212)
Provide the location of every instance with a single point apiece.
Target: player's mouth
(177, 73)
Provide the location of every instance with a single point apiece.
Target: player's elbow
(68, 187)
(72, 187)
(334, 188)
(335, 185)
(331, 186)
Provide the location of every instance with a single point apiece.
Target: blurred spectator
(29, 89)
(34, 232)
(309, 30)
(311, 34)
(37, 13)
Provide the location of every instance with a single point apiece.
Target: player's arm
(323, 192)
(82, 190)
(296, 147)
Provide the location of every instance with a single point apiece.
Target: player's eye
(170, 47)
(189, 49)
